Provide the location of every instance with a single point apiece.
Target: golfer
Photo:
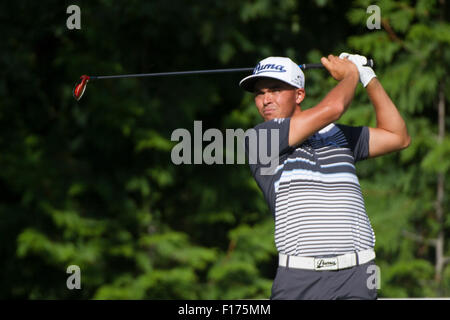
(322, 232)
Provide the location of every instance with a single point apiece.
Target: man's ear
(299, 95)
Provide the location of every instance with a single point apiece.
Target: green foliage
(92, 183)
(237, 274)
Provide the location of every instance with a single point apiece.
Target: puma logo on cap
(268, 68)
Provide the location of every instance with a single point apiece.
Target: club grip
(305, 66)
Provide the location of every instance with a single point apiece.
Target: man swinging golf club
(322, 232)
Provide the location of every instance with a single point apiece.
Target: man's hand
(365, 73)
(339, 68)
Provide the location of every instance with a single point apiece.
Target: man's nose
(268, 98)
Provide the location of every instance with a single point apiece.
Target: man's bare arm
(331, 108)
(390, 133)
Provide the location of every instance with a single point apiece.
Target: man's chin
(269, 117)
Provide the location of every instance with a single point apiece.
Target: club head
(79, 88)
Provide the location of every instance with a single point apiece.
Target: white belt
(330, 263)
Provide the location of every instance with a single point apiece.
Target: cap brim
(248, 83)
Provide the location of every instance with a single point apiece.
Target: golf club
(80, 86)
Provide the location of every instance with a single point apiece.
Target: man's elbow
(335, 111)
(406, 141)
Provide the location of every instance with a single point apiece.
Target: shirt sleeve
(266, 142)
(358, 139)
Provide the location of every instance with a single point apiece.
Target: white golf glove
(365, 73)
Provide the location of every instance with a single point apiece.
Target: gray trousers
(300, 284)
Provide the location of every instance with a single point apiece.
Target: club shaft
(177, 73)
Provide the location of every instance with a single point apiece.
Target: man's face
(277, 99)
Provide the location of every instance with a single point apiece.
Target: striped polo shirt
(314, 193)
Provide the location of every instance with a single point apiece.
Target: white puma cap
(280, 68)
